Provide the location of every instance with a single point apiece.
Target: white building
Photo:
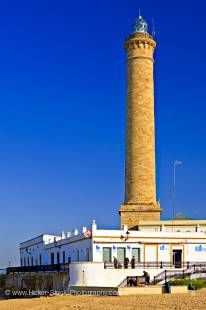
(156, 246)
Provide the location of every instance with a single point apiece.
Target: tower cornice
(139, 40)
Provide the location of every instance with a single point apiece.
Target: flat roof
(172, 222)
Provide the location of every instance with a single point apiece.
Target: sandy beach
(192, 300)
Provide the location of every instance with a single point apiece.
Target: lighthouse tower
(140, 177)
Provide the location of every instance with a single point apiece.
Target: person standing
(115, 261)
(126, 262)
(133, 262)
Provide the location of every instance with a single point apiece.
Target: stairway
(183, 273)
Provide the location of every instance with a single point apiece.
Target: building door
(121, 255)
(136, 254)
(107, 255)
(177, 258)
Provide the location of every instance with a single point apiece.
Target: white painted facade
(88, 250)
(149, 243)
(94, 274)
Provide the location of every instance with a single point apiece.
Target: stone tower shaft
(140, 183)
(140, 176)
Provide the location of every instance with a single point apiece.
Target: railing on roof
(156, 265)
(39, 268)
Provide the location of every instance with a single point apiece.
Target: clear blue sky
(62, 119)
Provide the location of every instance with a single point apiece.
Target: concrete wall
(94, 274)
(37, 281)
(149, 290)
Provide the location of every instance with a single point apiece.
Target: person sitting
(147, 277)
(131, 282)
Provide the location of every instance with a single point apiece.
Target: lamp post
(176, 163)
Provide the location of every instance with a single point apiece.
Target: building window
(28, 261)
(32, 261)
(121, 253)
(58, 258)
(136, 254)
(63, 257)
(77, 255)
(52, 258)
(107, 255)
(21, 262)
(87, 254)
(24, 261)
(69, 259)
(40, 259)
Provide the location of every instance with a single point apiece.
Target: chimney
(68, 234)
(94, 225)
(63, 235)
(76, 232)
(84, 229)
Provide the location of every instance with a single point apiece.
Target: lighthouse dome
(140, 25)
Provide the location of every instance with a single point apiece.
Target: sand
(191, 300)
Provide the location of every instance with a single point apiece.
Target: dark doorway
(177, 258)
(40, 259)
(63, 257)
(58, 258)
(52, 259)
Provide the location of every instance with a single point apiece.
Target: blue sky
(62, 120)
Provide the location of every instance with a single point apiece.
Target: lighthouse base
(132, 214)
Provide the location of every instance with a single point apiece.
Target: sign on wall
(129, 248)
(164, 247)
(200, 248)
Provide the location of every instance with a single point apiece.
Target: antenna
(139, 13)
(153, 28)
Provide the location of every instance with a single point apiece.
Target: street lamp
(176, 163)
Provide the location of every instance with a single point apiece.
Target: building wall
(94, 274)
(80, 250)
(74, 252)
(195, 252)
(156, 246)
(98, 250)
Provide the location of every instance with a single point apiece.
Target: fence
(39, 268)
(156, 265)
